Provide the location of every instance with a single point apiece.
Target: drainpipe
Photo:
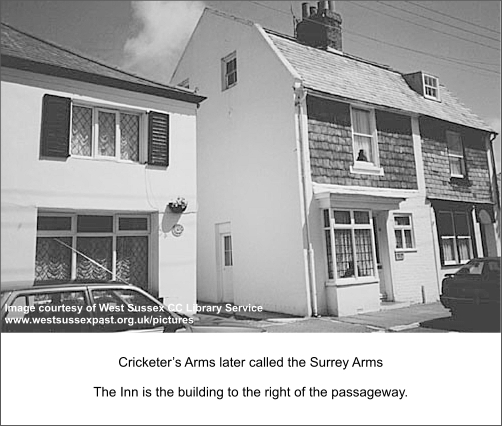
(494, 170)
(300, 95)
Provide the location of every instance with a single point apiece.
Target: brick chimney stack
(320, 27)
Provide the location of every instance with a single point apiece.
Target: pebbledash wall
(31, 184)
(414, 278)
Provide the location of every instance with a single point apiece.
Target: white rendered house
(91, 158)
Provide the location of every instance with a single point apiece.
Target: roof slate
(21, 46)
(347, 77)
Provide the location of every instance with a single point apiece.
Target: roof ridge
(91, 59)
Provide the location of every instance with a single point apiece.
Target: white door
(226, 267)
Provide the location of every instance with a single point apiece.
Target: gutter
(155, 89)
(300, 96)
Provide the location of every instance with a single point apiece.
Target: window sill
(341, 282)
(409, 250)
(105, 159)
(366, 169)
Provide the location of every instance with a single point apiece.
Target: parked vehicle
(97, 307)
(474, 290)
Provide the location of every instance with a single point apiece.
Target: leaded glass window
(81, 134)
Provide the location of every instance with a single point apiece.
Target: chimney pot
(322, 6)
(331, 6)
(305, 10)
(313, 10)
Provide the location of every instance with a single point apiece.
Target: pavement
(431, 317)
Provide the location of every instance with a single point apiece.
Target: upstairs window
(97, 132)
(431, 87)
(456, 154)
(229, 71)
(83, 130)
(364, 138)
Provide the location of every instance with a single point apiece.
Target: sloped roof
(352, 78)
(24, 51)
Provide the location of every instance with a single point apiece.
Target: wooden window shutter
(158, 139)
(55, 137)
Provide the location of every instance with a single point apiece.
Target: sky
(457, 41)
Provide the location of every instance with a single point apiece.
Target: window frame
(402, 229)
(365, 167)
(224, 75)
(352, 226)
(95, 110)
(114, 234)
(452, 155)
(472, 246)
(428, 86)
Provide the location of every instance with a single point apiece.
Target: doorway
(382, 254)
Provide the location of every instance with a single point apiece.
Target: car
(474, 290)
(97, 307)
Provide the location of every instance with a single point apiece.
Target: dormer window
(431, 87)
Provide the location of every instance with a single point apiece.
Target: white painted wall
(247, 167)
(30, 183)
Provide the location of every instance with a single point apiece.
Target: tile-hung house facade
(328, 184)
(91, 157)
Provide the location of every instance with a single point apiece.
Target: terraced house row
(329, 184)
(316, 182)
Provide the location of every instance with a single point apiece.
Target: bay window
(350, 233)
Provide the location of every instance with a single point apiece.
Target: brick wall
(331, 149)
(439, 184)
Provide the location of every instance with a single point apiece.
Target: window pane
(364, 252)
(99, 249)
(454, 143)
(361, 121)
(445, 224)
(457, 166)
(231, 66)
(132, 260)
(95, 223)
(342, 217)
(133, 224)
(227, 242)
(326, 218)
(399, 239)
(53, 223)
(448, 245)
(361, 217)
(462, 225)
(408, 238)
(464, 249)
(344, 253)
(81, 133)
(363, 147)
(129, 137)
(53, 259)
(329, 254)
(106, 143)
(402, 220)
(232, 78)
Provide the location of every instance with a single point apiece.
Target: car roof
(47, 285)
